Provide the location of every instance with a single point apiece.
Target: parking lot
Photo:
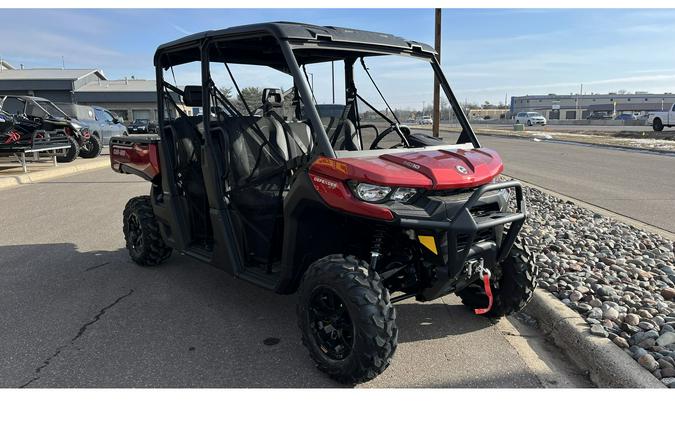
(83, 315)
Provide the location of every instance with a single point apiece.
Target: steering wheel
(403, 131)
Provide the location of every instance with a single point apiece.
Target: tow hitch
(488, 291)
(478, 267)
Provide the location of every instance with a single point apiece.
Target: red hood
(436, 169)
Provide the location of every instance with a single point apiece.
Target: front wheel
(529, 122)
(346, 319)
(92, 147)
(657, 125)
(512, 285)
(71, 153)
(141, 232)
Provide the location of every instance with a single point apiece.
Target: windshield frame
(41, 102)
(344, 51)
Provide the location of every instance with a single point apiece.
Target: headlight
(403, 194)
(376, 193)
(371, 193)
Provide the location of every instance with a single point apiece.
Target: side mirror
(117, 120)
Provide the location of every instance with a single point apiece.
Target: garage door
(142, 114)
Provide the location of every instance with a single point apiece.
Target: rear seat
(348, 139)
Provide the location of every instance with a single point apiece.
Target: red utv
(338, 202)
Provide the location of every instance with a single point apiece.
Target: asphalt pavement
(638, 185)
(76, 312)
(571, 128)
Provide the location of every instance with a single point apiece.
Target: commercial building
(571, 107)
(128, 98)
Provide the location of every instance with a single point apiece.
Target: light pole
(437, 93)
(332, 78)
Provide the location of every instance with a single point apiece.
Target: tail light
(12, 137)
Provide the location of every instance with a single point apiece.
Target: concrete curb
(607, 365)
(508, 134)
(582, 143)
(82, 165)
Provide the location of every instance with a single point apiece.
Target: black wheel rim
(135, 233)
(331, 324)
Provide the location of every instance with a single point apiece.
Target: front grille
(484, 209)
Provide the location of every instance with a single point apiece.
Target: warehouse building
(575, 107)
(128, 98)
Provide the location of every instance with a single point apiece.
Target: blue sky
(487, 53)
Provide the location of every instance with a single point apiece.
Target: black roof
(25, 97)
(297, 33)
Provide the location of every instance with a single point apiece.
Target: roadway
(77, 312)
(569, 128)
(638, 185)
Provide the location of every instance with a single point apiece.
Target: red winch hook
(488, 292)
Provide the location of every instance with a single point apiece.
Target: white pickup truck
(661, 119)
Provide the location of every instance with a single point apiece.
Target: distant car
(599, 115)
(625, 117)
(425, 120)
(142, 126)
(530, 118)
(102, 123)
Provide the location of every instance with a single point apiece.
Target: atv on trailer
(50, 118)
(345, 208)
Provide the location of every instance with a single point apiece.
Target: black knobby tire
(71, 153)
(657, 125)
(92, 147)
(373, 337)
(516, 281)
(141, 233)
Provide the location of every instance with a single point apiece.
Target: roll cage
(288, 47)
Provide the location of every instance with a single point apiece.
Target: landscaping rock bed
(619, 278)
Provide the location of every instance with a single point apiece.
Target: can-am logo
(462, 169)
(411, 165)
(323, 181)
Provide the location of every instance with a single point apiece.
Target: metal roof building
(128, 98)
(570, 107)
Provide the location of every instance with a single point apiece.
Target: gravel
(621, 279)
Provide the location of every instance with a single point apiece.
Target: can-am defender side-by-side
(50, 118)
(339, 203)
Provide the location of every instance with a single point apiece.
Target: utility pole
(437, 87)
(332, 77)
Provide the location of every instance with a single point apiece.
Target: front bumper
(465, 234)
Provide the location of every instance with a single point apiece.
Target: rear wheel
(71, 153)
(657, 125)
(92, 147)
(512, 285)
(347, 321)
(141, 232)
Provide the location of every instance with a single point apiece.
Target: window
(14, 105)
(124, 114)
(570, 115)
(103, 116)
